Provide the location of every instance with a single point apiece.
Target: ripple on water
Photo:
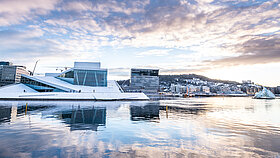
(194, 127)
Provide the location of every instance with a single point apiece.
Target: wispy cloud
(258, 50)
(18, 11)
(154, 52)
(212, 33)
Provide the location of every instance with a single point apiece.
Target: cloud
(28, 46)
(258, 50)
(154, 52)
(17, 11)
(212, 33)
(106, 6)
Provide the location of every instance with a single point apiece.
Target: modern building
(10, 74)
(177, 88)
(7, 63)
(205, 89)
(85, 81)
(146, 80)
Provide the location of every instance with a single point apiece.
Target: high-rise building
(10, 74)
(146, 80)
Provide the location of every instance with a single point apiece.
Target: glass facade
(38, 86)
(96, 78)
(69, 74)
(145, 79)
(67, 77)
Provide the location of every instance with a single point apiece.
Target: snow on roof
(45, 80)
(16, 88)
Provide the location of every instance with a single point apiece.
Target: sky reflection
(187, 127)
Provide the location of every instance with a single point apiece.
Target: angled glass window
(38, 86)
(69, 74)
(96, 78)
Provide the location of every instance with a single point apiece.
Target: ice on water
(264, 94)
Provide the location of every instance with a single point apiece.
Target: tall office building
(146, 80)
(10, 74)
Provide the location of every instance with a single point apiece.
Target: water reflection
(84, 119)
(10, 113)
(195, 127)
(148, 112)
(5, 114)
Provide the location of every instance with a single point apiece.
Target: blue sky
(222, 39)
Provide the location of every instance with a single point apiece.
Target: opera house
(85, 81)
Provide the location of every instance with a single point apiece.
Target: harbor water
(184, 127)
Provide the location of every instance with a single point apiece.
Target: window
(38, 86)
(96, 78)
(69, 74)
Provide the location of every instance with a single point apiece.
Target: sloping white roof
(50, 80)
(16, 88)
(46, 79)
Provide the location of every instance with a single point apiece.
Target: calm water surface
(194, 127)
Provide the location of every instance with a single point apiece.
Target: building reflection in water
(184, 110)
(84, 119)
(148, 112)
(151, 111)
(5, 114)
(10, 113)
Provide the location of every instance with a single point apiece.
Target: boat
(85, 81)
(264, 94)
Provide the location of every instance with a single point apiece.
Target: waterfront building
(146, 80)
(205, 89)
(192, 88)
(7, 63)
(85, 81)
(86, 74)
(278, 89)
(177, 88)
(11, 74)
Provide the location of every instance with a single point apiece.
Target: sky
(221, 39)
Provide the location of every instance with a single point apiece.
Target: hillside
(182, 78)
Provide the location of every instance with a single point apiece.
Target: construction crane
(34, 67)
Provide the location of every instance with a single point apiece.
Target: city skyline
(221, 39)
